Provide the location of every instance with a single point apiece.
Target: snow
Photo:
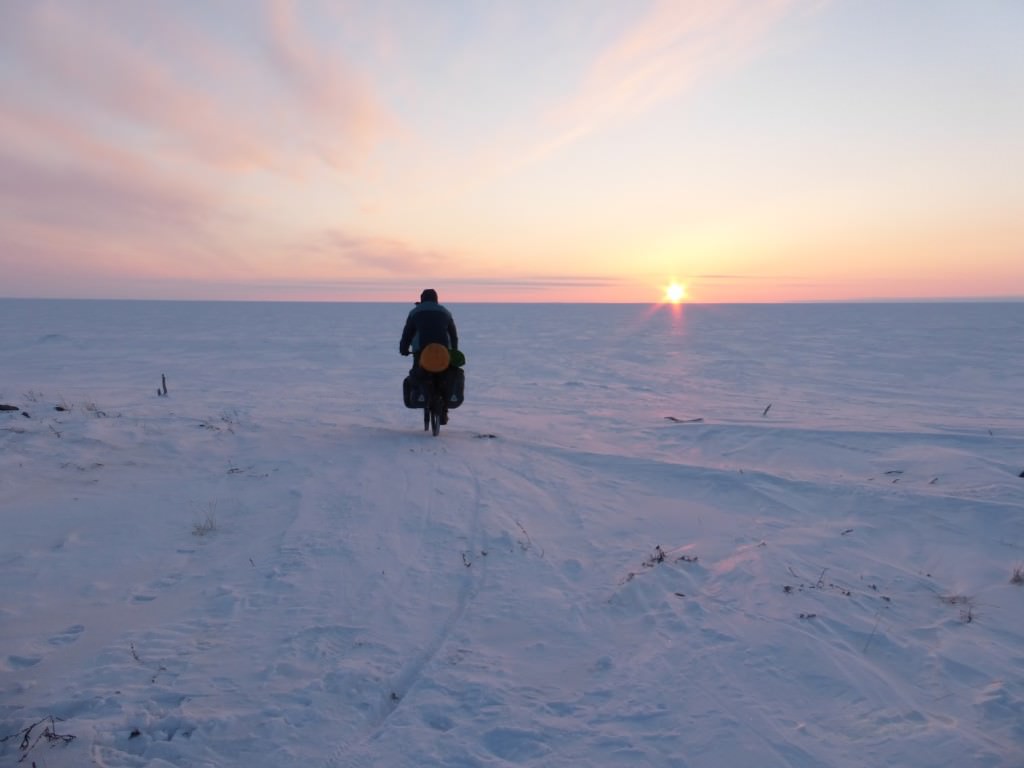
(274, 565)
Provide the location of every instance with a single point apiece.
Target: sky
(783, 150)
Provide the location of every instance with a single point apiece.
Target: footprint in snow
(23, 662)
(68, 636)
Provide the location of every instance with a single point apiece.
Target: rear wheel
(434, 407)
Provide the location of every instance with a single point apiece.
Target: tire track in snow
(405, 679)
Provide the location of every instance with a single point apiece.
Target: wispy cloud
(85, 67)
(127, 129)
(327, 91)
(106, 66)
(338, 253)
(744, 277)
(670, 48)
(66, 196)
(407, 289)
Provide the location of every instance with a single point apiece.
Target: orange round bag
(434, 358)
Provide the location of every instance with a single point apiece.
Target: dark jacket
(428, 323)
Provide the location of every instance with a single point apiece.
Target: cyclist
(428, 323)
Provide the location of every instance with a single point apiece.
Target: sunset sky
(515, 150)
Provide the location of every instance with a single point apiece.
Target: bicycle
(436, 388)
(434, 408)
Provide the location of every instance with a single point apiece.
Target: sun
(675, 293)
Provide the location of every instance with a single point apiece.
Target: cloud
(128, 130)
(348, 117)
(67, 196)
(404, 288)
(171, 82)
(743, 277)
(64, 196)
(334, 252)
(546, 282)
(82, 64)
(667, 50)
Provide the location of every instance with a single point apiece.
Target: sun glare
(675, 293)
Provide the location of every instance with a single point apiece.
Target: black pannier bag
(412, 394)
(453, 380)
(455, 386)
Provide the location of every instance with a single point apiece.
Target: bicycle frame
(434, 408)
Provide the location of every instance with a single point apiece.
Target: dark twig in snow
(49, 733)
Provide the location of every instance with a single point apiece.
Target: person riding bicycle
(428, 323)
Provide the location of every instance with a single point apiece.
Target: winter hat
(429, 294)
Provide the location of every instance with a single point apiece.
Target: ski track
(474, 573)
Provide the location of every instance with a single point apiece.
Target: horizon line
(866, 300)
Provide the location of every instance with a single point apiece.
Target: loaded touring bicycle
(436, 384)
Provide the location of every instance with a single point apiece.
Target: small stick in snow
(49, 733)
(654, 559)
(766, 409)
(525, 545)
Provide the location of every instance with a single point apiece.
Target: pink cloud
(109, 84)
(339, 254)
(72, 206)
(96, 195)
(673, 46)
(55, 175)
(159, 80)
(125, 127)
(347, 117)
